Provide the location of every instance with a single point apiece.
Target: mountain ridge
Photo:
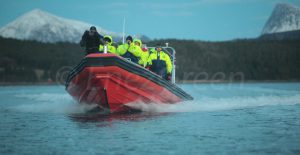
(285, 17)
(45, 27)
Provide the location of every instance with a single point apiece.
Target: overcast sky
(213, 20)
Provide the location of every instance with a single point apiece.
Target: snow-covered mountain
(285, 17)
(45, 27)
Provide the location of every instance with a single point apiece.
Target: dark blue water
(223, 119)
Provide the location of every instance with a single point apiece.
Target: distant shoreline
(28, 83)
(226, 81)
(178, 82)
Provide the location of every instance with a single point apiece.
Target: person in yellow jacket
(130, 51)
(110, 48)
(160, 63)
(144, 54)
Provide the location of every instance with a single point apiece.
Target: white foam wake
(51, 103)
(216, 104)
(64, 104)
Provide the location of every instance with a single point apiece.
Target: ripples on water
(223, 118)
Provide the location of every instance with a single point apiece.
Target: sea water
(253, 118)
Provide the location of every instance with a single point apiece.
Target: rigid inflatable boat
(113, 82)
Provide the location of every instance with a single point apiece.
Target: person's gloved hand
(169, 77)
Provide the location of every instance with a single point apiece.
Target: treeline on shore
(236, 60)
(251, 59)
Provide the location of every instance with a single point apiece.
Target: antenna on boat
(124, 21)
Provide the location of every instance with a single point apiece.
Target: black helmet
(129, 38)
(93, 28)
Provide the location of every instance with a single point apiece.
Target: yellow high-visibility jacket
(143, 54)
(122, 49)
(135, 50)
(110, 47)
(163, 56)
(144, 58)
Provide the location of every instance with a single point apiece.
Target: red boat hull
(112, 86)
